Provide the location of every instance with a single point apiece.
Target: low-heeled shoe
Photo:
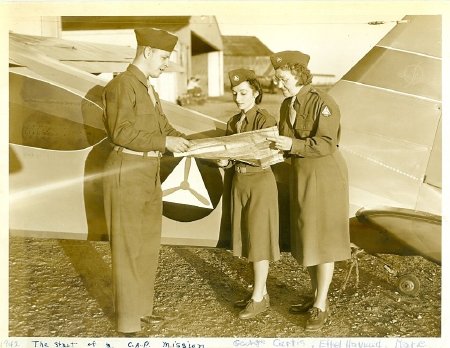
(152, 319)
(254, 308)
(316, 319)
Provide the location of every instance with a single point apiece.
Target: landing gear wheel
(409, 284)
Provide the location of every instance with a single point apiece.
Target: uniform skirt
(254, 214)
(319, 204)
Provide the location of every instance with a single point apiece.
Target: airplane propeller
(187, 168)
(184, 185)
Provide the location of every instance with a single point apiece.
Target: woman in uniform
(254, 207)
(309, 135)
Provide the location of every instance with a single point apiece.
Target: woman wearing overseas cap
(254, 207)
(319, 204)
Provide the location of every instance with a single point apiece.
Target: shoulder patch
(326, 111)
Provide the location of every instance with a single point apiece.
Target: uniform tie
(151, 94)
(292, 112)
(240, 122)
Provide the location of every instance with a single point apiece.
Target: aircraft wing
(89, 57)
(417, 233)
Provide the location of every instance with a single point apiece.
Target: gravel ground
(63, 288)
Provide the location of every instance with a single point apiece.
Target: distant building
(250, 53)
(246, 52)
(198, 51)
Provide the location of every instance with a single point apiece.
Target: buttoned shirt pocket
(144, 103)
(303, 127)
(146, 115)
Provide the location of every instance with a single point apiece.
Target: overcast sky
(335, 34)
(334, 43)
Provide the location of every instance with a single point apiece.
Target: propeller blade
(199, 197)
(187, 168)
(171, 190)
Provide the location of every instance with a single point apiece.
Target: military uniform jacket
(316, 130)
(319, 181)
(255, 118)
(131, 120)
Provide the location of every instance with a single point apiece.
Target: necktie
(151, 94)
(239, 123)
(292, 112)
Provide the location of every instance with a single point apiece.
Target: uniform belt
(137, 153)
(242, 169)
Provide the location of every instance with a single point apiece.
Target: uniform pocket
(303, 128)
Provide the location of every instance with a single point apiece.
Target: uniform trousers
(133, 209)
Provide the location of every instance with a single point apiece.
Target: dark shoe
(254, 308)
(302, 307)
(243, 303)
(152, 319)
(316, 319)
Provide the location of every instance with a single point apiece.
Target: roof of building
(207, 34)
(169, 23)
(244, 46)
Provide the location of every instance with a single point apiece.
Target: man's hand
(281, 142)
(177, 144)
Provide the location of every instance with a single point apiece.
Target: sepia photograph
(220, 174)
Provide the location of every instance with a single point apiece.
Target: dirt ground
(63, 288)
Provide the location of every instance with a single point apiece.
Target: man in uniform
(140, 133)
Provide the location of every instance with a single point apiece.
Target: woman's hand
(281, 142)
